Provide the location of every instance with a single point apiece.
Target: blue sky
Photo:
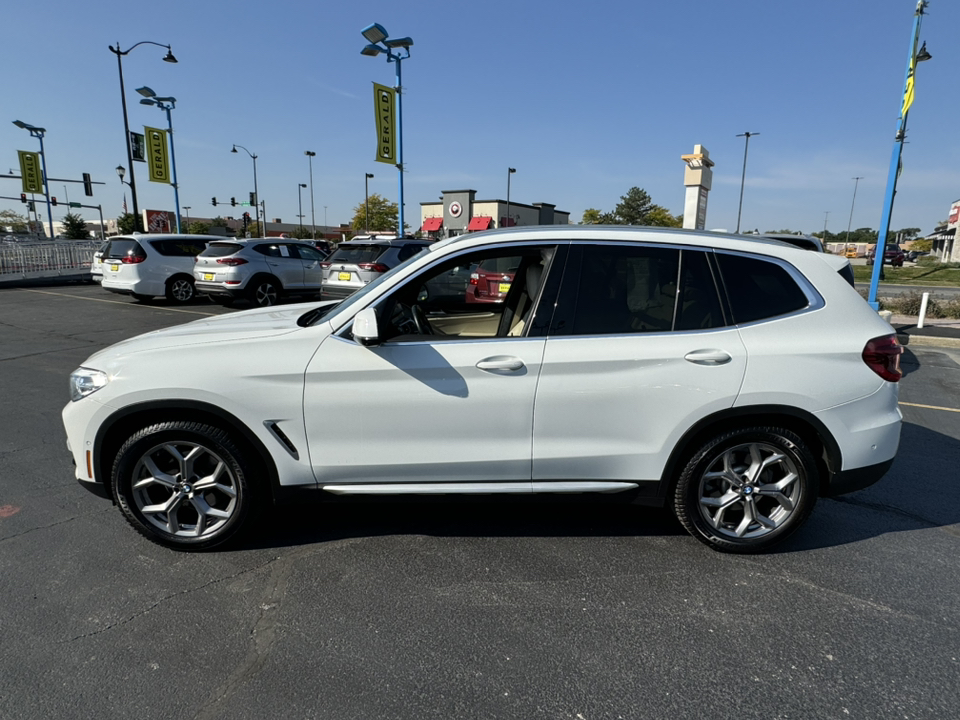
(585, 100)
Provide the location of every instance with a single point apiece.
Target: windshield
(366, 289)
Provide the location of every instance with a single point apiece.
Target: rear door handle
(506, 363)
(708, 357)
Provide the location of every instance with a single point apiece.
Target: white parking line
(118, 302)
(931, 407)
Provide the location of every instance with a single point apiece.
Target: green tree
(126, 223)
(592, 216)
(75, 227)
(661, 217)
(15, 221)
(218, 222)
(302, 233)
(634, 208)
(383, 216)
(198, 228)
(922, 245)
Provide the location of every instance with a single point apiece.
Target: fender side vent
(274, 428)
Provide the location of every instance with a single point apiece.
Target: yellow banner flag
(908, 93)
(157, 160)
(30, 173)
(384, 106)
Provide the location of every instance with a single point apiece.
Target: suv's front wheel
(745, 490)
(183, 484)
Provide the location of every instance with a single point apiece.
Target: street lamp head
(121, 171)
(28, 126)
(371, 50)
(303, 184)
(308, 153)
(923, 55)
(375, 33)
(234, 149)
(146, 92)
(369, 175)
(513, 170)
(147, 101)
(169, 57)
(399, 43)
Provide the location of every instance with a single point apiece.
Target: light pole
(38, 133)
(187, 208)
(510, 171)
(379, 41)
(856, 182)
(826, 216)
(166, 104)
(256, 192)
(743, 177)
(324, 218)
(366, 201)
(121, 171)
(907, 100)
(313, 219)
(126, 124)
(300, 187)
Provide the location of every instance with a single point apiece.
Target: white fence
(61, 258)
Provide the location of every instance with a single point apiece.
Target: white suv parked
(146, 266)
(733, 380)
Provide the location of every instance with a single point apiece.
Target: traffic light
(87, 185)
(53, 201)
(214, 201)
(23, 197)
(30, 207)
(246, 220)
(233, 201)
(253, 198)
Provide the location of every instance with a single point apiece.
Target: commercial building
(944, 236)
(458, 212)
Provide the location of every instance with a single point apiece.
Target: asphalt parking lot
(462, 610)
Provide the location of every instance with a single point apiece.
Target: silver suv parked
(259, 270)
(356, 262)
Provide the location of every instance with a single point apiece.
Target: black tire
(263, 291)
(180, 289)
(195, 469)
(726, 498)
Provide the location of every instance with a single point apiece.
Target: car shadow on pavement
(918, 493)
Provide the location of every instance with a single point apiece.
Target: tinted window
(178, 247)
(758, 289)
(305, 252)
(220, 249)
(358, 253)
(123, 248)
(698, 305)
(625, 289)
(408, 251)
(268, 250)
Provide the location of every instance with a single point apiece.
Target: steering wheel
(420, 320)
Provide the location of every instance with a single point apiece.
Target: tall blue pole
(397, 59)
(173, 163)
(894, 169)
(46, 185)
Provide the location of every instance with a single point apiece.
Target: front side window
(759, 289)
(268, 250)
(441, 301)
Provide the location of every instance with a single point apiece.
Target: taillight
(231, 261)
(376, 267)
(882, 355)
(474, 279)
(132, 259)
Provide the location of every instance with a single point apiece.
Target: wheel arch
(264, 275)
(123, 423)
(811, 430)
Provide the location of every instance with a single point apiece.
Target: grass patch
(943, 275)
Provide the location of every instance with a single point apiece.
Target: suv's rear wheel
(184, 485)
(180, 289)
(263, 291)
(745, 490)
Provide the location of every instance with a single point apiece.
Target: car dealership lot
(460, 610)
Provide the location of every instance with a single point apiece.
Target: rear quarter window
(759, 289)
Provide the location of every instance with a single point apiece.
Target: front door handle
(708, 357)
(506, 363)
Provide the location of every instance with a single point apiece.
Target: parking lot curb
(908, 340)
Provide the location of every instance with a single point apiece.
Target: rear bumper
(848, 481)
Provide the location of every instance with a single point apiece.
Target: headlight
(85, 381)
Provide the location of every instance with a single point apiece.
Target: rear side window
(220, 249)
(408, 251)
(178, 247)
(358, 253)
(124, 248)
(759, 289)
(698, 304)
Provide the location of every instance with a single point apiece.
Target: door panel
(422, 411)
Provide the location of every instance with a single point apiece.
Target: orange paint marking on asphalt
(8, 510)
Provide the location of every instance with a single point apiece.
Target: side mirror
(365, 329)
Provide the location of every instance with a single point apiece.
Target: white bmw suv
(731, 379)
